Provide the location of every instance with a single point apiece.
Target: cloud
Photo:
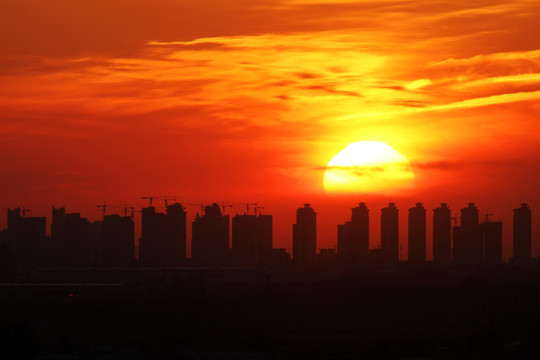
(417, 84)
(175, 78)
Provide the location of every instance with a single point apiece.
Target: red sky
(229, 100)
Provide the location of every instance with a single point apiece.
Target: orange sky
(235, 100)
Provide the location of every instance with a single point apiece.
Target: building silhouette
(442, 234)
(280, 257)
(522, 234)
(390, 235)
(252, 240)
(163, 237)
(492, 233)
(118, 241)
(305, 236)
(471, 235)
(75, 240)
(210, 242)
(176, 234)
(417, 233)
(25, 238)
(327, 258)
(353, 237)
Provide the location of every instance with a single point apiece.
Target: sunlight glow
(368, 167)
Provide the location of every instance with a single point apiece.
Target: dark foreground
(257, 314)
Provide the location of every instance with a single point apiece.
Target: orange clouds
(220, 98)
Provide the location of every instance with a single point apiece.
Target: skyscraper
(176, 235)
(75, 240)
(252, 240)
(417, 233)
(163, 237)
(305, 236)
(390, 235)
(210, 238)
(442, 234)
(472, 234)
(353, 237)
(522, 233)
(118, 241)
(153, 235)
(25, 237)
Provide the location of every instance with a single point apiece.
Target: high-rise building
(252, 240)
(472, 234)
(522, 234)
(210, 238)
(390, 235)
(305, 236)
(327, 258)
(280, 257)
(58, 245)
(492, 232)
(353, 237)
(25, 238)
(75, 240)
(417, 233)
(153, 234)
(176, 241)
(442, 234)
(118, 241)
(163, 237)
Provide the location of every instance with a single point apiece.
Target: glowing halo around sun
(368, 167)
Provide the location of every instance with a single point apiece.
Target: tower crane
(486, 218)
(164, 198)
(251, 204)
(24, 211)
(124, 207)
(201, 206)
(224, 206)
(104, 207)
(260, 207)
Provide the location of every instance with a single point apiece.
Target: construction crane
(24, 211)
(164, 198)
(124, 207)
(487, 215)
(104, 207)
(252, 204)
(224, 206)
(257, 208)
(201, 206)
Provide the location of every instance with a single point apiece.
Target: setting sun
(367, 167)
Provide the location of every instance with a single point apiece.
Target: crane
(224, 206)
(104, 207)
(201, 206)
(24, 211)
(127, 207)
(124, 207)
(260, 207)
(487, 215)
(164, 198)
(252, 204)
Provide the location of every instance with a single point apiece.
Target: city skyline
(354, 239)
(269, 179)
(256, 102)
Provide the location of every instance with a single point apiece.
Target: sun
(368, 167)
